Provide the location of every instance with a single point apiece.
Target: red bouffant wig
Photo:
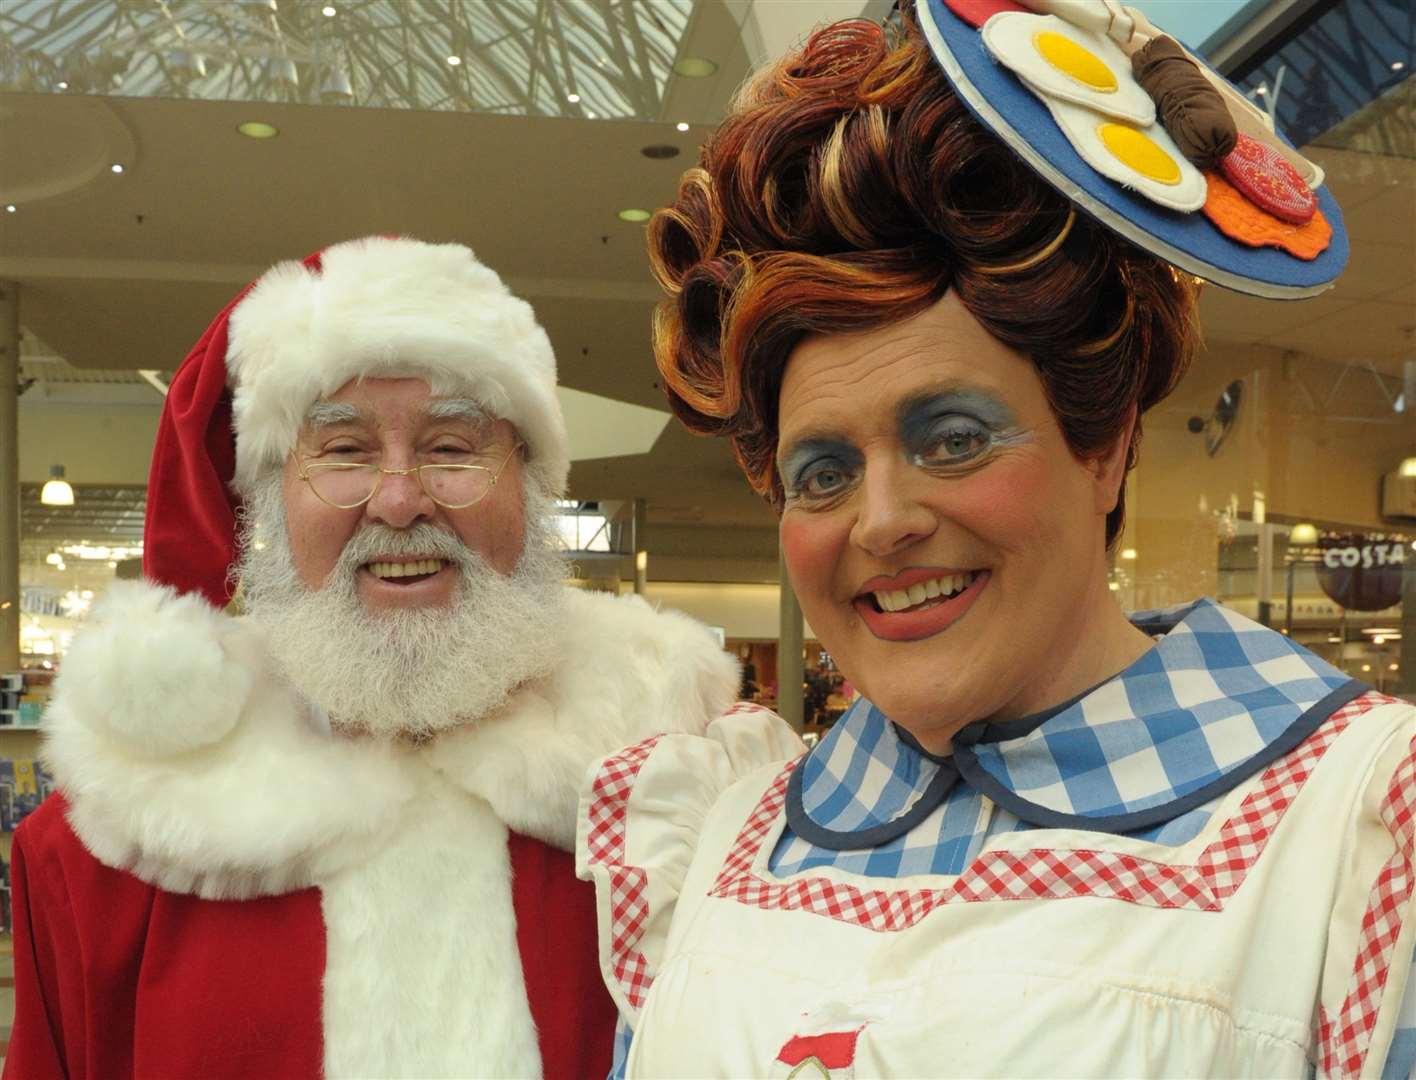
(848, 189)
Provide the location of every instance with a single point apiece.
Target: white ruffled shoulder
(628, 671)
(641, 813)
(187, 760)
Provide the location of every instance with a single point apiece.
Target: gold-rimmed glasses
(348, 484)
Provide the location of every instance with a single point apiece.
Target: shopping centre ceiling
(610, 59)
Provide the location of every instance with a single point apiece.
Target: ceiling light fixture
(453, 61)
(258, 129)
(695, 67)
(1128, 554)
(1303, 533)
(574, 99)
(62, 85)
(681, 125)
(57, 491)
(634, 214)
(328, 11)
(115, 168)
(1366, 667)
(1407, 467)
(54, 559)
(1398, 65)
(10, 208)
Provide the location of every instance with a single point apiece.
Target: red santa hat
(381, 306)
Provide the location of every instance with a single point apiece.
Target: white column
(641, 554)
(9, 476)
(789, 645)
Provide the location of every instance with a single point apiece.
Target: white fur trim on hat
(389, 307)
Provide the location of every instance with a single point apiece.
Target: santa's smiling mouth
(405, 572)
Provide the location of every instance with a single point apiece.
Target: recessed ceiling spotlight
(10, 208)
(681, 126)
(589, 115)
(695, 67)
(453, 61)
(116, 168)
(329, 11)
(1261, 90)
(63, 85)
(634, 214)
(258, 129)
(1397, 65)
(574, 99)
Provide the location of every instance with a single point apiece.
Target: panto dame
(929, 287)
(332, 837)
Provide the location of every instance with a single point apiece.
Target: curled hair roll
(849, 189)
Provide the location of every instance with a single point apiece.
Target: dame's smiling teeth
(405, 569)
(940, 588)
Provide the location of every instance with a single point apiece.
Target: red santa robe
(225, 889)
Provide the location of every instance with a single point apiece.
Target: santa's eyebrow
(457, 409)
(328, 413)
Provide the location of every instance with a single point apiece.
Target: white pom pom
(165, 673)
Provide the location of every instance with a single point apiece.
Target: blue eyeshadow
(919, 416)
(804, 453)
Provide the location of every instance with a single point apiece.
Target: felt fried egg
(1059, 60)
(1086, 83)
(1142, 159)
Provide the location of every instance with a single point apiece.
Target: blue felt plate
(1190, 241)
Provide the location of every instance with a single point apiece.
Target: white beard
(406, 672)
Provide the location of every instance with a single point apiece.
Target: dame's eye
(822, 480)
(955, 439)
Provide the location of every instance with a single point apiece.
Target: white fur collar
(187, 761)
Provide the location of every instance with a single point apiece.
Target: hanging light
(57, 491)
(336, 86)
(281, 69)
(186, 66)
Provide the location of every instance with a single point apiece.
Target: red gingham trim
(1041, 873)
(1344, 1040)
(605, 845)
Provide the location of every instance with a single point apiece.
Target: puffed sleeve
(1366, 1010)
(640, 814)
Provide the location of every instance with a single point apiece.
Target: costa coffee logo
(1360, 573)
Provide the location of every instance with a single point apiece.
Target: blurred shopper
(928, 287)
(332, 837)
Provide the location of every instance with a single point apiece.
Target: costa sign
(1360, 573)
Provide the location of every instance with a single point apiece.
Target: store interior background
(134, 209)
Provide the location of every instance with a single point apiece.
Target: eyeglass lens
(349, 485)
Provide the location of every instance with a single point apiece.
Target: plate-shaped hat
(1044, 76)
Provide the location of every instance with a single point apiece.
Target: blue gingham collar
(1217, 699)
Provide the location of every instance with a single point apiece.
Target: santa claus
(333, 836)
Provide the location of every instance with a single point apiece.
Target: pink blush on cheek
(812, 548)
